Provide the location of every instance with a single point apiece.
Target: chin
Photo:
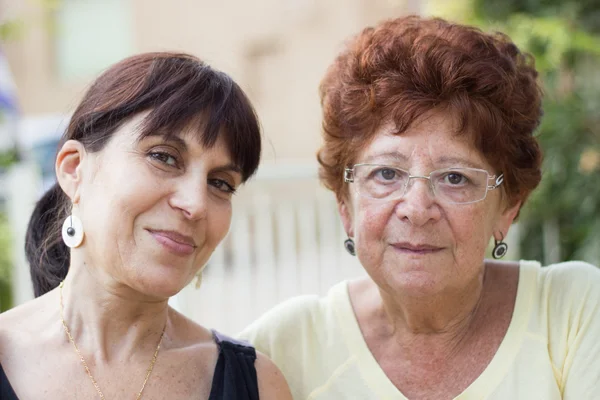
(415, 284)
(162, 284)
(413, 277)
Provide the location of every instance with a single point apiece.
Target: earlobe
(346, 217)
(512, 211)
(69, 162)
(507, 218)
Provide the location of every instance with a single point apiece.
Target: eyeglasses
(450, 185)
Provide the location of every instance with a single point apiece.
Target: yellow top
(551, 349)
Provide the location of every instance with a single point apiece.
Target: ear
(346, 216)
(69, 168)
(506, 219)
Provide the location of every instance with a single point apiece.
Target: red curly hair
(402, 68)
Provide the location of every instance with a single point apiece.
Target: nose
(191, 198)
(418, 205)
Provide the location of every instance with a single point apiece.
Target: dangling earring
(500, 248)
(349, 245)
(199, 278)
(72, 231)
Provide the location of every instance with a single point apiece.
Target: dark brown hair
(178, 90)
(403, 68)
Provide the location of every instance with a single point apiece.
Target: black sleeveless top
(234, 378)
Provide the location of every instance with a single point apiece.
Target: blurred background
(286, 238)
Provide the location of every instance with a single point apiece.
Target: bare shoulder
(199, 343)
(271, 382)
(25, 326)
(28, 317)
(191, 341)
(188, 331)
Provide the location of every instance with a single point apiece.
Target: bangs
(179, 91)
(208, 102)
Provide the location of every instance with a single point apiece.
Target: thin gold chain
(148, 371)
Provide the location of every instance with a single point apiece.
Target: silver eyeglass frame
(349, 178)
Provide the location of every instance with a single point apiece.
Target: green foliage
(7, 158)
(565, 43)
(586, 13)
(564, 38)
(14, 29)
(5, 264)
(11, 30)
(569, 190)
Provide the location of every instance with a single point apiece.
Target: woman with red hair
(429, 148)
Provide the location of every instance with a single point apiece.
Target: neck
(108, 319)
(449, 314)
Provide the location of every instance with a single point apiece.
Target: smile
(416, 249)
(174, 242)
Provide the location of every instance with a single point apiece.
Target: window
(91, 35)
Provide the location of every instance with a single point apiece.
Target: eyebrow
(227, 168)
(446, 160)
(387, 155)
(459, 161)
(170, 138)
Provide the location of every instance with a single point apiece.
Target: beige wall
(276, 49)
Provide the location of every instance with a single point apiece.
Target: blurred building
(276, 49)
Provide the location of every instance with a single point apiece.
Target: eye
(164, 158)
(388, 174)
(385, 174)
(455, 178)
(222, 186)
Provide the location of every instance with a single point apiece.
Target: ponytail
(48, 256)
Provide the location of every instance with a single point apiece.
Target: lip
(416, 248)
(174, 242)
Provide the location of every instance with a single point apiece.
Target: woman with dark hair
(146, 171)
(430, 150)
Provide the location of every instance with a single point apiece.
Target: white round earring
(72, 231)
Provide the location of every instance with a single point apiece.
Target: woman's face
(153, 210)
(419, 244)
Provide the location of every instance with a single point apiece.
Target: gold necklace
(148, 371)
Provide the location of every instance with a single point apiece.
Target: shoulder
(271, 382)
(288, 318)
(187, 333)
(296, 321)
(569, 318)
(28, 316)
(26, 327)
(190, 343)
(570, 278)
(573, 271)
(567, 296)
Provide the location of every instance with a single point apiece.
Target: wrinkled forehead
(434, 142)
